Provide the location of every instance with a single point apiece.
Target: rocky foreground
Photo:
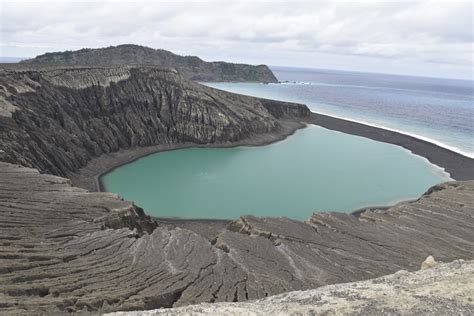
(64, 249)
(446, 289)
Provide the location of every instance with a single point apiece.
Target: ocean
(440, 111)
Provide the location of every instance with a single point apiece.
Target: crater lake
(313, 170)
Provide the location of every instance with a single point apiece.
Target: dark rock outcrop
(191, 67)
(63, 249)
(58, 119)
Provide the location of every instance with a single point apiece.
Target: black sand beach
(458, 166)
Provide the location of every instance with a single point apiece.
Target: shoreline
(419, 137)
(458, 166)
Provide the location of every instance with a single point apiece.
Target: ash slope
(191, 67)
(443, 290)
(63, 249)
(58, 119)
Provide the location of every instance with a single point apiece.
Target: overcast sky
(426, 38)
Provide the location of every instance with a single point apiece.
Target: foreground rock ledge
(64, 249)
(445, 290)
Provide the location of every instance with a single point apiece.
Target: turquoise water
(314, 170)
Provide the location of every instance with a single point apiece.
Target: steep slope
(191, 67)
(58, 119)
(63, 249)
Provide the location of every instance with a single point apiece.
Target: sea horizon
(340, 70)
(384, 101)
(15, 59)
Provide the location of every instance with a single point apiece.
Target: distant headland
(191, 67)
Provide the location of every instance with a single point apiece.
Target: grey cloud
(419, 30)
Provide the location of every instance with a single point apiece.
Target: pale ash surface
(446, 289)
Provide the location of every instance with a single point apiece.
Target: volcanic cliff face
(191, 67)
(57, 119)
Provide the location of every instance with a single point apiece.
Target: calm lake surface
(314, 170)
